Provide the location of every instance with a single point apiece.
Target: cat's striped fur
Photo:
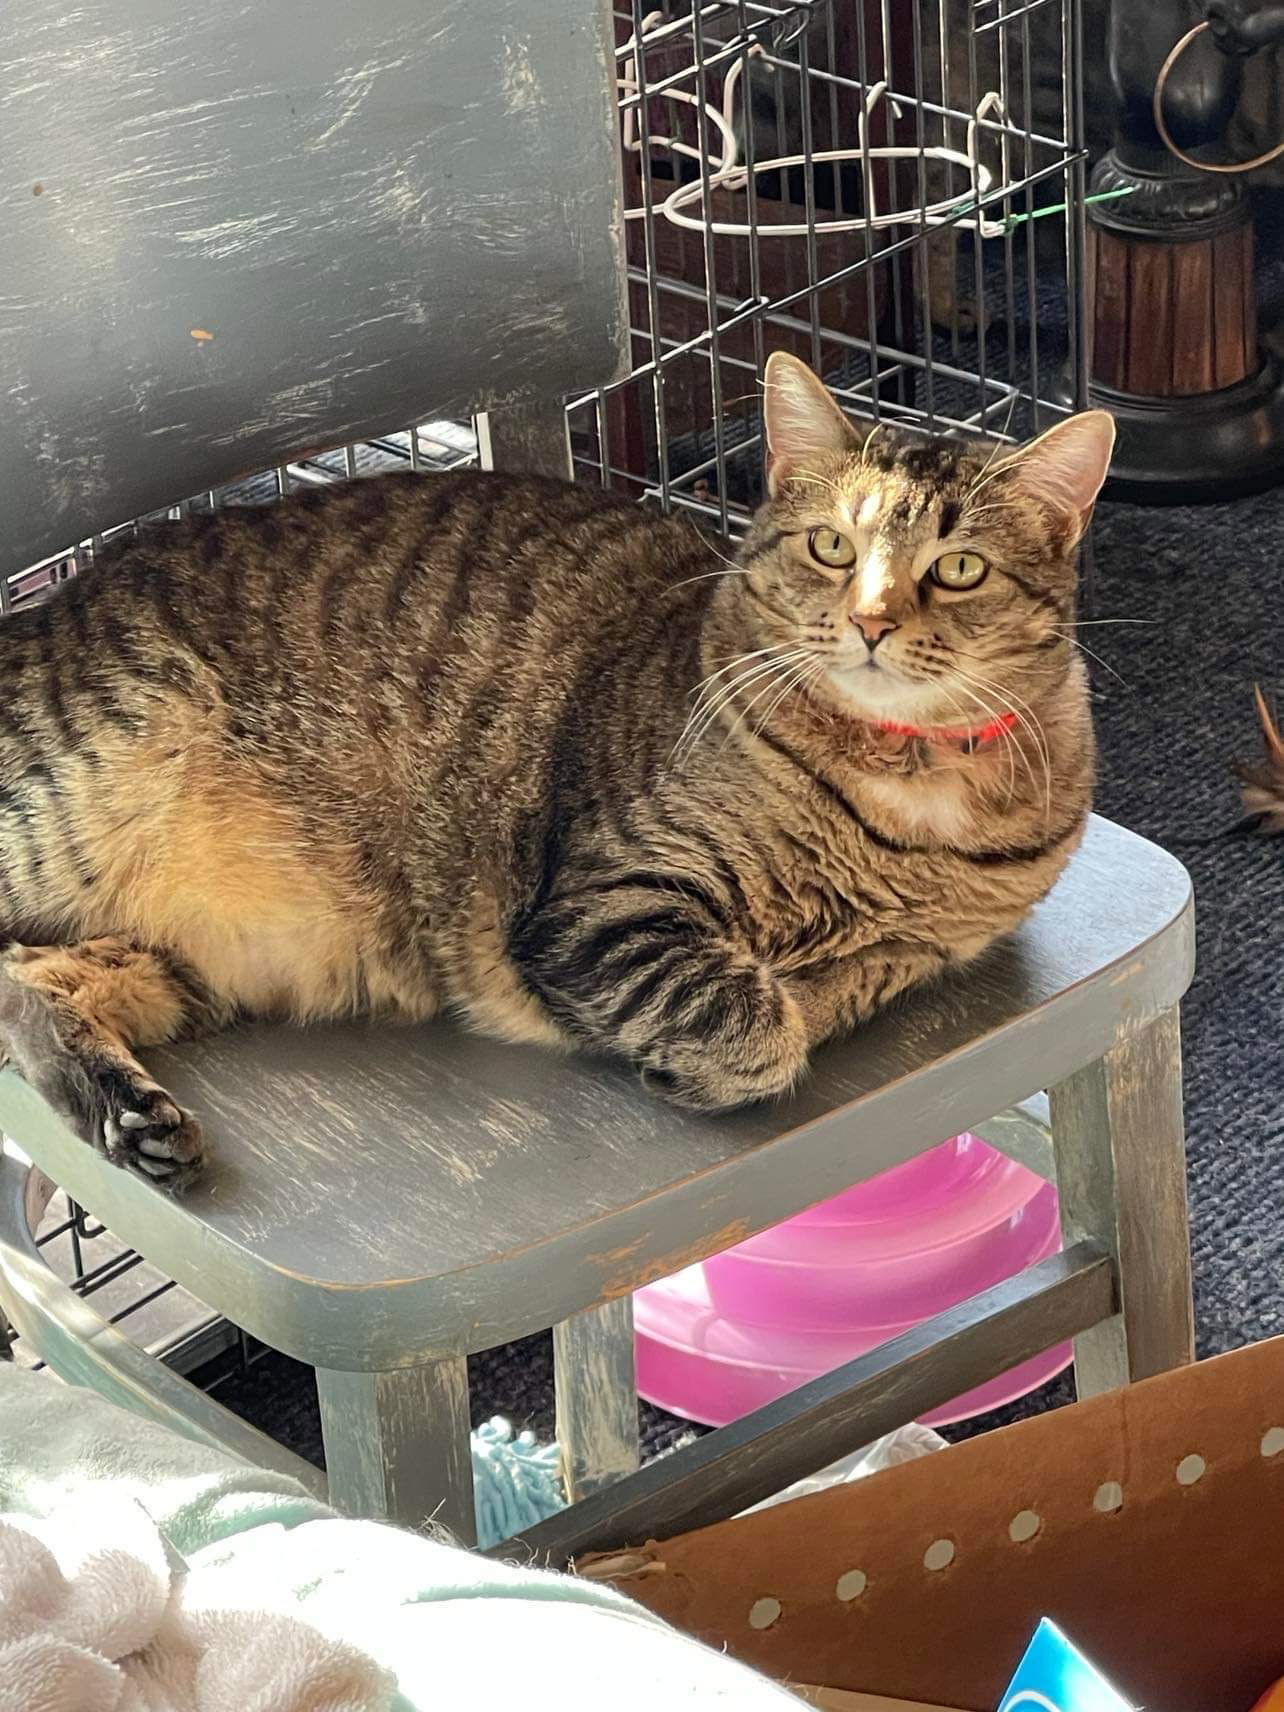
(419, 743)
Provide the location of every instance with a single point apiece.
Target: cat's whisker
(703, 715)
(706, 543)
(989, 474)
(742, 659)
(787, 672)
(815, 481)
(1031, 724)
(832, 488)
(714, 688)
(735, 571)
(1005, 736)
(1015, 754)
(819, 668)
(803, 675)
(1011, 748)
(710, 548)
(1001, 689)
(793, 676)
(1105, 664)
(998, 444)
(804, 689)
(734, 660)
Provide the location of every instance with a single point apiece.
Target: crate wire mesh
(432, 447)
(122, 1287)
(862, 183)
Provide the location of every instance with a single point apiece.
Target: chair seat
(380, 1196)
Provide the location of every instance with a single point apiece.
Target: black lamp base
(1201, 448)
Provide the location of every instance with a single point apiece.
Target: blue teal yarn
(516, 1481)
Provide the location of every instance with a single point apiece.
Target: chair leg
(527, 439)
(397, 1445)
(1121, 1171)
(597, 1400)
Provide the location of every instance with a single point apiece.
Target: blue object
(516, 1481)
(1054, 1676)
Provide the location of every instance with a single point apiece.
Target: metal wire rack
(892, 189)
(163, 1318)
(867, 185)
(432, 447)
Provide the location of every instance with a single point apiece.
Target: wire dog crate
(891, 189)
(865, 185)
(432, 447)
(876, 187)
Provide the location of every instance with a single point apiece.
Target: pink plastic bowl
(725, 1337)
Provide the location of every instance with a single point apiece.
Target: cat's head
(930, 582)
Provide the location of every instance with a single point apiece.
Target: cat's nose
(873, 629)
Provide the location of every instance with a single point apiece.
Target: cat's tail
(1263, 784)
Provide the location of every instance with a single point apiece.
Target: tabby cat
(535, 755)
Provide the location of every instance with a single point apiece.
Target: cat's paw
(146, 1132)
(693, 1093)
(750, 1045)
(700, 1083)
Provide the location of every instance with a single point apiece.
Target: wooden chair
(262, 242)
(384, 1201)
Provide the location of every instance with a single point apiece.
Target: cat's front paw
(698, 1082)
(145, 1131)
(122, 1114)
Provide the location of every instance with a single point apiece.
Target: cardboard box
(1148, 1524)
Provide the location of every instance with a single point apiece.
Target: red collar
(970, 736)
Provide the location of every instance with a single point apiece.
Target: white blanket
(99, 1614)
(278, 1605)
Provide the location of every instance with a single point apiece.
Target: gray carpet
(1206, 582)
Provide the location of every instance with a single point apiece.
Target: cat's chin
(884, 695)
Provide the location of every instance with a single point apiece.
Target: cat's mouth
(878, 688)
(887, 692)
(869, 667)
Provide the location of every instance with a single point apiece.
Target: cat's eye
(959, 571)
(831, 549)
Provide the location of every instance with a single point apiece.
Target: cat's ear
(1066, 466)
(801, 418)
